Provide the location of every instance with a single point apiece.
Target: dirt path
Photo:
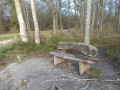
(39, 73)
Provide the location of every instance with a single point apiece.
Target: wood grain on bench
(74, 57)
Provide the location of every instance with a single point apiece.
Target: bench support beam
(83, 67)
(58, 60)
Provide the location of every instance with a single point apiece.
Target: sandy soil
(39, 73)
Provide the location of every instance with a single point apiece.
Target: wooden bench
(84, 61)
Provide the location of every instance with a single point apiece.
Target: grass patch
(8, 36)
(9, 52)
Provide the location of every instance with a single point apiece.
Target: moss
(94, 73)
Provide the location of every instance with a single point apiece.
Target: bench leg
(58, 60)
(83, 67)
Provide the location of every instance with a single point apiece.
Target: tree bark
(26, 15)
(87, 23)
(23, 32)
(60, 16)
(54, 18)
(97, 16)
(36, 25)
(102, 12)
(76, 26)
(56, 14)
(81, 17)
(93, 18)
(116, 8)
(119, 17)
(84, 8)
(69, 15)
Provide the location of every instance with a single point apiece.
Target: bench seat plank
(74, 57)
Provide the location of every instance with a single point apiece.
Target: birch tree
(25, 14)
(87, 23)
(23, 32)
(36, 25)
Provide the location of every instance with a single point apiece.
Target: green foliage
(19, 47)
(4, 50)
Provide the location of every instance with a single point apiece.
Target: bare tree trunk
(119, 17)
(85, 5)
(84, 8)
(80, 13)
(1, 17)
(56, 14)
(23, 32)
(76, 27)
(11, 14)
(54, 18)
(110, 10)
(81, 16)
(28, 20)
(54, 24)
(60, 16)
(26, 15)
(116, 14)
(1, 23)
(116, 8)
(36, 25)
(69, 15)
(93, 18)
(101, 21)
(97, 16)
(87, 23)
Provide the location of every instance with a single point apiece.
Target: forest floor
(39, 73)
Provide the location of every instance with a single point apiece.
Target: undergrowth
(113, 51)
(109, 41)
(47, 44)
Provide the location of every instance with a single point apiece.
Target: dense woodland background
(69, 14)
